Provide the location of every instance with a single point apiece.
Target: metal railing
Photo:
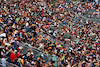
(90, 18)
(47, 57)
(8, 64)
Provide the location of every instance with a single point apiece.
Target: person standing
(0, 49)
(96, 1)
(3, 61)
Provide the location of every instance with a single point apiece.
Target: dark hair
(12, 49)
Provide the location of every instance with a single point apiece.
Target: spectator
(3, 61)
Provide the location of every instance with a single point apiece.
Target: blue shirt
(3, 61)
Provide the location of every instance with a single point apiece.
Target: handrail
(93, 19)
(12, 64)
(32, 48)
(9, 64)
(90, 18)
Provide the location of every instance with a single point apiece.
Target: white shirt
(68, 65)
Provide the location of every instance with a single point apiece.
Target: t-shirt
(12, 57)
(3, 61)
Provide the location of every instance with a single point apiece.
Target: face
(6, 48)
(11, 51)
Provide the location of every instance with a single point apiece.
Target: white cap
(15, 50)
(20, 47)
(32, 53)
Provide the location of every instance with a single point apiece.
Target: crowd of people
(95, 14)
(54, 28)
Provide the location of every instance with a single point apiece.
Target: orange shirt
(0, 19)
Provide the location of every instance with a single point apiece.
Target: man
(96, 1)
(0, 49)
(13, 55)
(15, 44)
(68, 65)
(3, 61)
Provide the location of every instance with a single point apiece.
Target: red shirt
(12, 57)
(75, 32)
(18, 54)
